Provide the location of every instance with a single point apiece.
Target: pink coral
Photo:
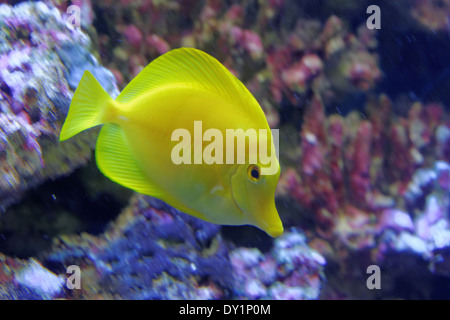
(354, 167)
(253, 44)
(158, 43)
(361, 70)
(299, 73)
(133, 35)
(247, 39)
(359, 165)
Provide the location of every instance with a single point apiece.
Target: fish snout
(275, 231)
(270, 222)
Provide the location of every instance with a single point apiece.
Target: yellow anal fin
(179, 206)
(115, 161)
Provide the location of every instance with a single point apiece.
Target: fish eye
(254, 173)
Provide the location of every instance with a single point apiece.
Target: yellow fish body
(182, 89)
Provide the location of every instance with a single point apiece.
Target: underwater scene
(212, 149)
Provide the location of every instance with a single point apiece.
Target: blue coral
(157, 252)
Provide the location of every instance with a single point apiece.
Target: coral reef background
(364, 149)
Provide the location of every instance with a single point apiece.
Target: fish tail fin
(88, 107)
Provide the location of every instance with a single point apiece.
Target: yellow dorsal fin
(191, 67)
(117, 163)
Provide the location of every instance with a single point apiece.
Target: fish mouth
(274, 231)
(268, 219)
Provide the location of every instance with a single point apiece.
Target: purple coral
(28, 280)
(41, 62)
(290, 271)
(152, 252)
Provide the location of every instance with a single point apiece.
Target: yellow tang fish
(153, 134)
